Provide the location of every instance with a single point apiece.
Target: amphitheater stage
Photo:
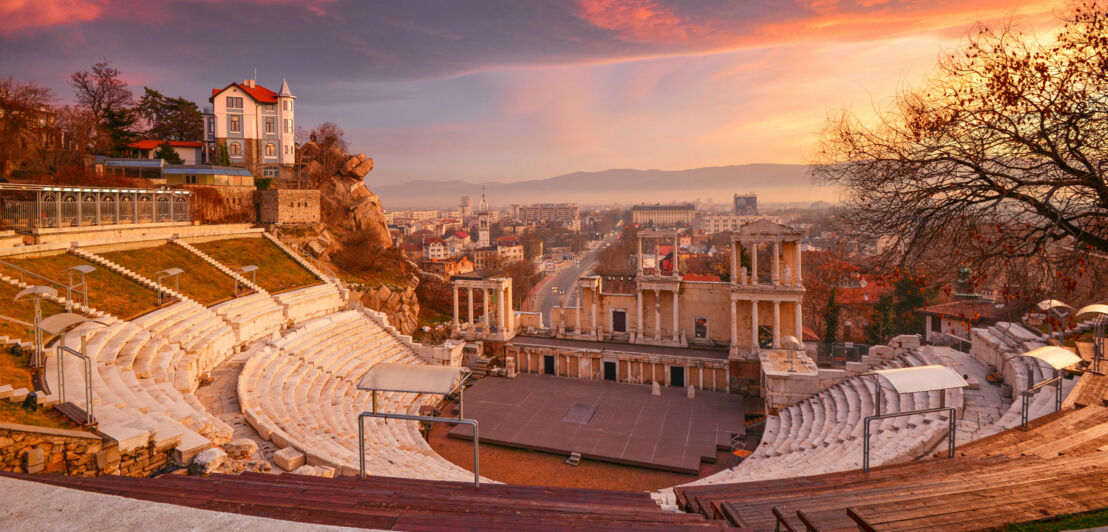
(607, 421)
(687, 352)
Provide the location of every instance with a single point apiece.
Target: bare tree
(999, 156)
(331, 155)
(101, 90)
(23, 121)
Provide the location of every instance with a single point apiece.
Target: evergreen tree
(170, 118)
(223, 158)
(168, 154)
(117, 131)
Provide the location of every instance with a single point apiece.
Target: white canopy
(1095, 308)
(790, 341)
(169, 271)
(1055, 356)
(81, 268)
(441, 380)
(248, 268)
(36, 291)
(1048, 304)
(922, 378)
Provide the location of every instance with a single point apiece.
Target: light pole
(37, 293)
(168, 272)
(82, 270)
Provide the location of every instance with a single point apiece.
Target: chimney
(248, 83)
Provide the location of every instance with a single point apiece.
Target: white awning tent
(1049, 304)
(1056, 357)
(1096, 308)
(440, 380)
(58, 323)
(922, 378)
(36, 291)
(789, 341)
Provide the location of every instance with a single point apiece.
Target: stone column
(577, 311)
(754, 263)
(469, 301)
(734, 324)
(676, 318)
(657, 314)
(638, 270)
(799, 322)
(735, 262)
(796, 272)
(676, 253)
(638, 312)
(776, 324)
(776, 275)
(455, 306)
(501, 308)
(595, 305)
(511, 320)
(488, 322)
(754, 323)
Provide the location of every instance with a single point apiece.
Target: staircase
(74, 305)
(220, 266)
(132, 275)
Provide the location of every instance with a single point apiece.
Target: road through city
(546, 298)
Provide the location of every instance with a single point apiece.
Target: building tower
(465, 207)
(287, 122)
(483, 222)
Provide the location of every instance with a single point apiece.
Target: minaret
(483, 221)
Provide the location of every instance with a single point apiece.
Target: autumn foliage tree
(996, 163)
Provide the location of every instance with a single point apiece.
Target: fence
(838, 354)
(57, 207)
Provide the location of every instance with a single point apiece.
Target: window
(270, 127)
(288, 105)
(270, 150)
(211, 126)
(288, 126)
(700, 328)
(270, 107)
(236, 124)
(190, 180)
(235, 149)
(269, 172)
(234, 102)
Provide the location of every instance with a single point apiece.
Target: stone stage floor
(602, 420)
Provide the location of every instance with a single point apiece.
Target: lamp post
(253, 271)
(168, 272)
(82, 270)
(37, 293)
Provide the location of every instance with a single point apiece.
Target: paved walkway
(690, 352)
(608, 421)
(221, 398)
(33, 506)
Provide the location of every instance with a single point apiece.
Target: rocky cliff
(356, 239)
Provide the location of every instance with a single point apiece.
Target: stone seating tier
(301, 391)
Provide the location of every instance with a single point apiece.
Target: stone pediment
(766, 229)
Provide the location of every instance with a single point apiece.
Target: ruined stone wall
(222, 204)
(31, 449)
(289, 206)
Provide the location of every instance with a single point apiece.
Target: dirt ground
(533, 468)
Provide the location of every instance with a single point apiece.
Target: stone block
(655, 388)
(241, 448)
(305, 470)
(18, 395)
(34, 460)
(881, 351)
(6, 391)
(325, 471)
(691, 393)
(208, 461)
(288, 458)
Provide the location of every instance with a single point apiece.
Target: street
(545, 298)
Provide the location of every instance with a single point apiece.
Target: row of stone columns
(593, 329)
(640, 311)
(754, 322)
(736, 252)
(505, 317)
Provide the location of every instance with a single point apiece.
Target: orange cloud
(638, 20)
(19, 15)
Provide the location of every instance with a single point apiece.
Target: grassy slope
(107, 291)
(14, 371)
(20, 310)
(277, 272)
(201, 281)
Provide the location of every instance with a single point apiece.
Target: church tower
(483, 222)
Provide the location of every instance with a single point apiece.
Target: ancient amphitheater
(302, 351)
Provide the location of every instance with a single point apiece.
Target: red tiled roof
(973, 310)
(432, 241)
(259, 93)
(809, 335)
(461, 234)
(150, 144)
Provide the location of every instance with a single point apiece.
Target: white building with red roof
(191, 152)
(256, 125)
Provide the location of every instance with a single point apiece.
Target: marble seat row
(134, 399)
(824, 433)
(301, 391)
(252, 316)
(311, 302)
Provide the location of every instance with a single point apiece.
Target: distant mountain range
(774, 183)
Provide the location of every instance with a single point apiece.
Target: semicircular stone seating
(824, 433)
(301, 390)
(144, 373)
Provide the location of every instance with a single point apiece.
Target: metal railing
(1025, 407)
(867, 434)
(409, 417)
(58, 207)
(62, 351)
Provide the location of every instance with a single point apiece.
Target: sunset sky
(522, 89)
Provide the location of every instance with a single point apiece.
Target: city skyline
(445, 93)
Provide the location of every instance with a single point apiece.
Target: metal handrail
(62, 350)
(781, 524)
(35, 275)
(1025, 407)
(315, 263)
(409, 417)
(866, 435)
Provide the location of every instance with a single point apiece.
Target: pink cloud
(21, 15)
(638, 20)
